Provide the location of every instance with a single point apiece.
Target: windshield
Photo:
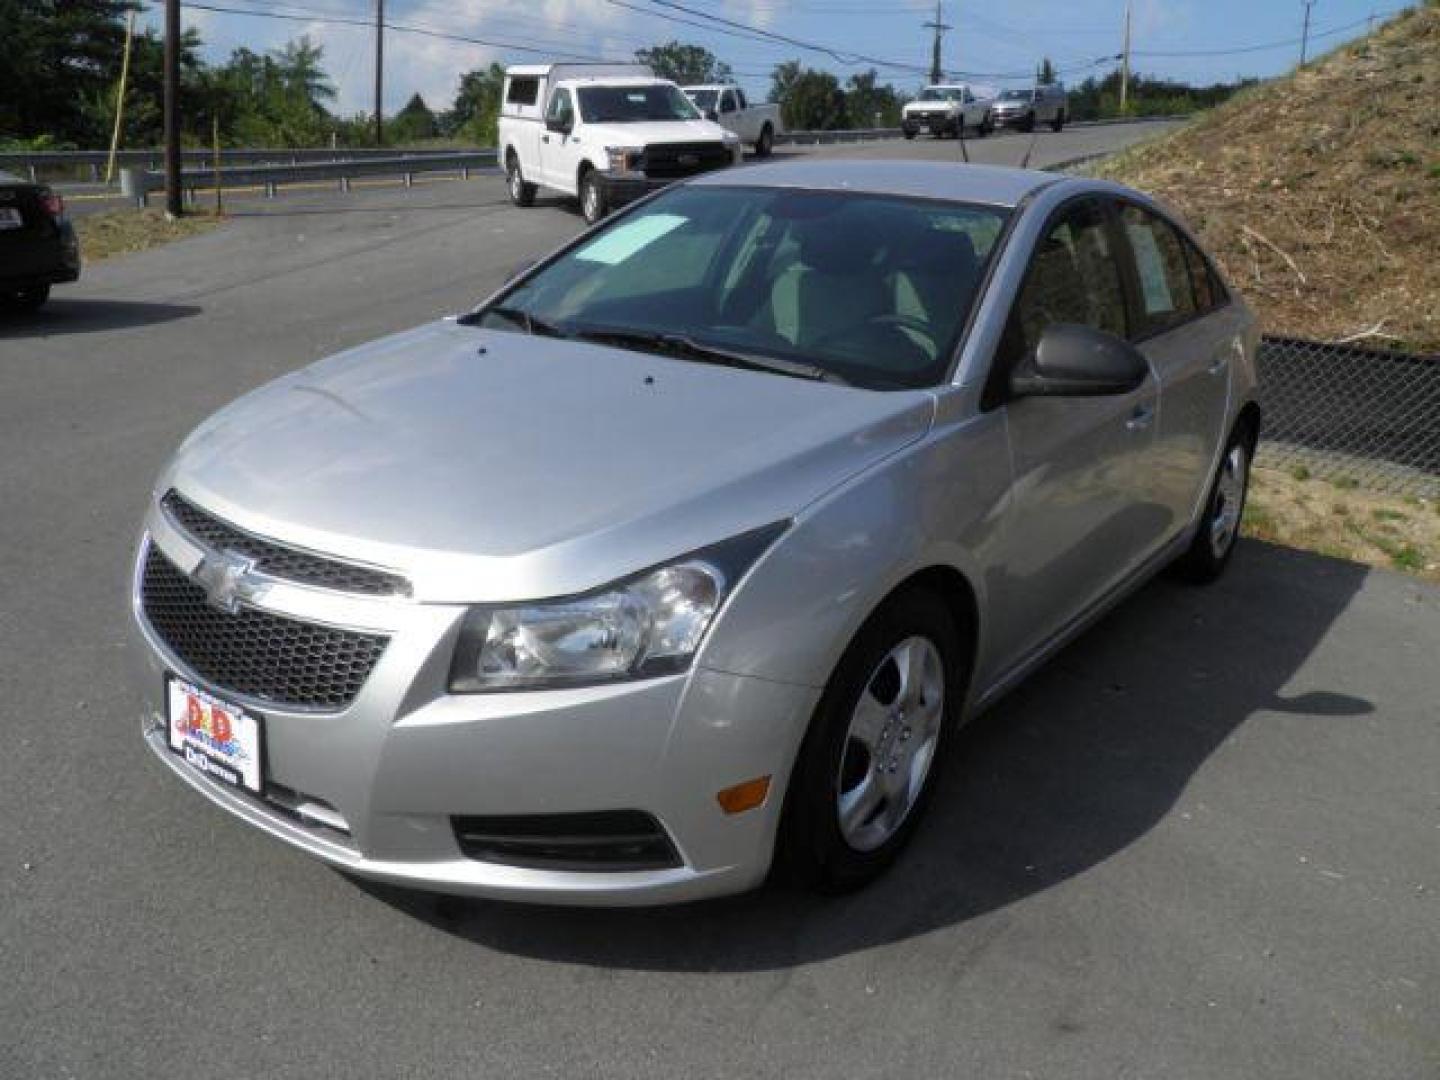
(941, 93)
(704, 99)
(632, 104)
(1016, 95)
(870, 289)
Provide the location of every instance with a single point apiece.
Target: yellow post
(219, 206)
(120, 97)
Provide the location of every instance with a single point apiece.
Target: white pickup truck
(607, 133)
(757, 125)
(946, 109)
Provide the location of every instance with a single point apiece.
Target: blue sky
(994, 41)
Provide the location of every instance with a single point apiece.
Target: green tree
(871, 104)
(684, 64)
(809, 100)
(475, 115)
(57, 60)
(414, 122)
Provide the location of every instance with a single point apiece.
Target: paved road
(1045, 149)
(1203, 842)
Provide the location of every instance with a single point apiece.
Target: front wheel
(869, 761)
(30, 298)
(1209, 553)
(592, 198)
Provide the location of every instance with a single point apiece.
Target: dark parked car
(38, 247)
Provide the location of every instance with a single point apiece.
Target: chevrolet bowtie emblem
(228, 580)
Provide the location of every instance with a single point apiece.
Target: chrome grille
(280, 560)
(255, 653)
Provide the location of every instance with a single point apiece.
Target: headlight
(623, 159)
(645, 626)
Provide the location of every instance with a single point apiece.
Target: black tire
(766, 142)
(1208, 555)
(30, 298)
(985, 127)
(909, 134)
(1058, 124)
(592, 197)
(812, 850)
(522, 193)
(1028, 124)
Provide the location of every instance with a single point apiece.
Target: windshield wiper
(681, 345)
(523, 318)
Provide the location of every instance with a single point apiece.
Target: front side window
(634, 104)
(871, 289)
(727, 103)
(560, 108)
(1166, 294)
(1074, 277)
(704, 99)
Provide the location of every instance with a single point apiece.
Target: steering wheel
(916, 330)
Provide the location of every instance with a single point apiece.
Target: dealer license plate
(221, 740)
(10, 218)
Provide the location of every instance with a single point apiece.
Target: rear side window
(1209, 293)
(524, 90)
(1167, 296)
(1074, 277)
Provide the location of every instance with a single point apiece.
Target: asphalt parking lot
(1203, 842)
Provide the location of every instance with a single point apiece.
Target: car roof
(988, 184)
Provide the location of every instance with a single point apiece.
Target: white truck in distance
(606, 133)
(945, 109)
(757, 125)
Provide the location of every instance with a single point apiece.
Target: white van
(607, 133)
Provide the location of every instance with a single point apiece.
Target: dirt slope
(1320, 192)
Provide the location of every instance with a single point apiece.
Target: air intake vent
(609, 841)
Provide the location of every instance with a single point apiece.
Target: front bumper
(405, 757)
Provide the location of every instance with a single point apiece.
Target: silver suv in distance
(682, 557)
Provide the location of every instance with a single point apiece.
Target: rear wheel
(766, 142)
(1209, 553)
(522, 193)
(1058, 124)
(1028, 124)
(30, 298)
(592, 197)
(908, 133)
(870, 759)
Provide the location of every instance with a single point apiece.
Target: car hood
(930, 106)
(646, 133)
(489, 465)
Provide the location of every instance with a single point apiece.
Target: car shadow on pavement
(1083, 760)
(67, 316)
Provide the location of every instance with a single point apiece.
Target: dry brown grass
(1336, 519)
(118, 232)
(1320, 193)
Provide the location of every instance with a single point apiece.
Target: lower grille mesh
(610, 840)
(256, 653)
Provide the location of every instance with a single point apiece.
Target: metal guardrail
(1352, 415)
(31, 162)
(137, 184)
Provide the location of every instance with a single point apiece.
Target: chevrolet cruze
(682, 558)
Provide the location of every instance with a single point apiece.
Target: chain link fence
(1352, 415)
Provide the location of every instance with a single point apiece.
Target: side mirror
(556, 125)
(1079, 361)
(711, 114)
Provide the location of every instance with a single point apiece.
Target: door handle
(545, 138)
(1141, 418)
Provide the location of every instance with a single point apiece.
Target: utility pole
(937, 74)
(174, 207)
(1305, 36)
(1125, 64)
(379, 72)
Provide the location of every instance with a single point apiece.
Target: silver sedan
(679, 561)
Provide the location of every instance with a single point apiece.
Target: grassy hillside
(1320, 192)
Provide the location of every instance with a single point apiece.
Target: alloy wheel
(890, 744)
(1229, 500)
